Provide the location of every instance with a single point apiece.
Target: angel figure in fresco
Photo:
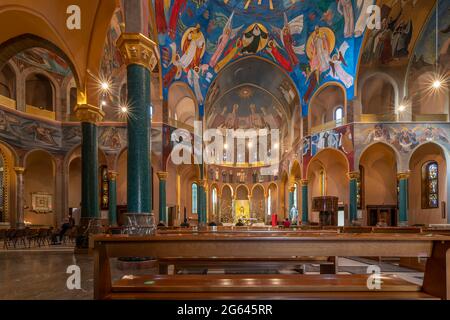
(336, 70)
(407, 140)
(254, 39)
(231, 119)
(160, 17)
(345, 8)
(177, 7)
(434, 134)
(193, 48)
(228, 34)
(320, 50)
(278, 56)
(291, 28)
(41, 134)
(361, 23)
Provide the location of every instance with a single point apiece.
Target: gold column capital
(354, 175)
(291, 189)
(304, 182)
(112, 175)
(138, 49)
(19, 170)
(403, 175)
(162, 175)
(88, 113)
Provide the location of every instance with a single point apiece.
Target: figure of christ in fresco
(177, 7)
(193, 49)
(254, 39)
(345, 8)
(276, 54)
(255, 118)
(320, 46)
(361, 23)
(227, 34)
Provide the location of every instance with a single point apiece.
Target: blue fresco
(315, 41)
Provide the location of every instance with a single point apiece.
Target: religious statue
(293, 215)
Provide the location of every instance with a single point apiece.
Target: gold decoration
(112, 175)
(89, 113)
(355, 175)
(138, 49)
(162, 175)
(403, 175)
(19, 170)
(304, 182)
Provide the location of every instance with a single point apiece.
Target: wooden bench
(436, 280)
(263, 286)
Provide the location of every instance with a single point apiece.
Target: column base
(403, 224)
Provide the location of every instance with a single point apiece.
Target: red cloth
(281, 60)
(161, 24)
(173, 22)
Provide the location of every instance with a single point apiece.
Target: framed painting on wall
(41, 202)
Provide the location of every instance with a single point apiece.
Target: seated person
(240, 223)
(287, 223)
(59, 234)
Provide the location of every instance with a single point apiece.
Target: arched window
(194, 198)
(214, 200)
(269, 202)
(339, 115)
(295, 195)
(430, 185)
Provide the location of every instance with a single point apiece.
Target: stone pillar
(112, 198)
(353, 199)
(305, 214)
(89, 116)
(162, 197)
(19, 197)
(403, 198)
(138, 52)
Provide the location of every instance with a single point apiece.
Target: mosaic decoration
(315, 41)
(341, 138)
(41, 202)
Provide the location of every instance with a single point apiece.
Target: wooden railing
(378, 118)
(8, 102)
(41, 112)
(430, 117)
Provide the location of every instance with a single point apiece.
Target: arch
(13, 46)
(51, 90)
(398, 157)
(242, 186)
(380, 168)
(9, 160)
(257, 185)
(321, 112)
(226, 185)
(423, 154)
(7, 146)
(296, 171)
(388, 109)
(30, 152)
(179, 91)
(8, 80)
(317, 155)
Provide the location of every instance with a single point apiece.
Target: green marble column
(202, 215)
(112, 198)
(353, 199)
(304, 201)
(138, 51)
(403, 198)
(162, 197)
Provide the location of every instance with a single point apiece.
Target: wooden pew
(436, 281)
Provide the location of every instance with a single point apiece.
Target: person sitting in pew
(57, 236)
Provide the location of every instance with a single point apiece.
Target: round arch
(317, 155)
(383, 76)
(398, 157)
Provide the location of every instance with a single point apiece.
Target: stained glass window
(194, 198)
(431, 185)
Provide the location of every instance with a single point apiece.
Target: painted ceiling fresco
(401, 25)
(45, 60)
(425, 51)
(314, 41)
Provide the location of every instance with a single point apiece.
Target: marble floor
(41, 273)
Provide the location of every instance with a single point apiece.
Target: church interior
(225, 149)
